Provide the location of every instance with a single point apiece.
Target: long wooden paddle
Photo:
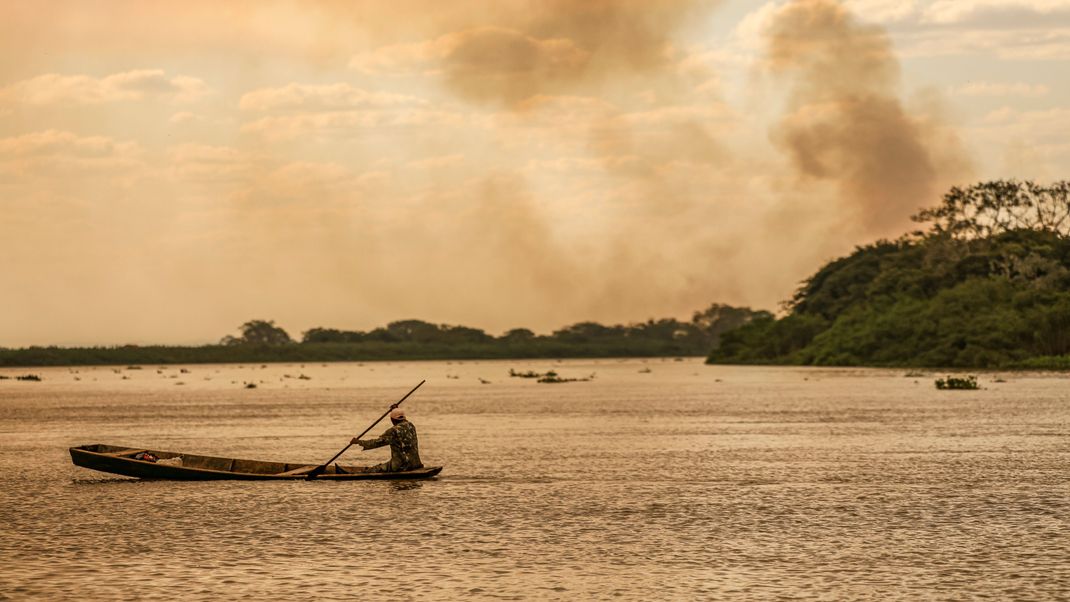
(317, 471)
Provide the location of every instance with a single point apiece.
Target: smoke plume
(559, 46)
(845, 123)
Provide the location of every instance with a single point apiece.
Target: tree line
(985, 285)
(265, 341)
(675, 337)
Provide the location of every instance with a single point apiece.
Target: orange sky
(171, 170)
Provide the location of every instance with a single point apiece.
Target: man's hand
(359, 442)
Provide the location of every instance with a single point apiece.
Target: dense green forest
(985, 285)
(264, 341)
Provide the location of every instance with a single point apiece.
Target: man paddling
(404, 448)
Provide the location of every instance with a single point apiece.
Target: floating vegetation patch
(549, 376)
(552, 377)
(964, 384)
(29, 377)
(913, 374)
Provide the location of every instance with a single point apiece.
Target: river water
(657, 479)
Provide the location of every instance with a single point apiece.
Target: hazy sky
(169, 170)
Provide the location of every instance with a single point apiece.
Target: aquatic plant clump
(551, 377)
(548, 377)
(952, 383)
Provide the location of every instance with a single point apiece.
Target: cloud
(321, 97)
(1028, 44)
(1025, 143)
(295, 195)
(256, 180)
(999, 89)
(201, 162)
(400, 59)
(547, 119)
(947, 12)
(128, 86)
(56, 149)
(183, 117)
(883, 11)
(450, 161)
(246, 174)
(332, 110)
(1007, 13)
(710, 114)
(341, 123)
(1045, 126)
(302, 176)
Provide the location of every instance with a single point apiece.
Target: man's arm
(380, 441)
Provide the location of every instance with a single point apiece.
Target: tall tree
(991, 208)
(259, 332)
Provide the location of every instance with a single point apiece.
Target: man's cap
(397, 414)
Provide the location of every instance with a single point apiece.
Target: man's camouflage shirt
(404, 448)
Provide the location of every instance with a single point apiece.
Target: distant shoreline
(32, 357)
(262, 341)
(133, 355)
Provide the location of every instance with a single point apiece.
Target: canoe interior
(175, 465)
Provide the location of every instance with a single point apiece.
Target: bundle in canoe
(189, 467)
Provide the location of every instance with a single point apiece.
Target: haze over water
(684, 482)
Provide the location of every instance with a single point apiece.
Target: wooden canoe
(189, 467)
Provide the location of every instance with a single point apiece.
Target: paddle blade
(315, 472)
